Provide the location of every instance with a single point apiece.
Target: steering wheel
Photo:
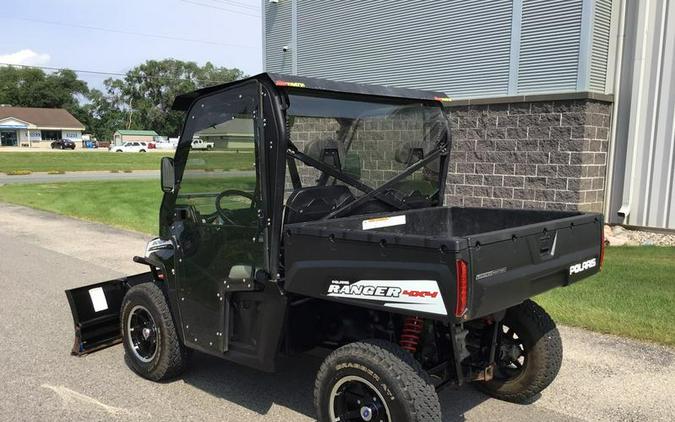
(225, 214)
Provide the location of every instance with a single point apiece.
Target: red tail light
(462, 287)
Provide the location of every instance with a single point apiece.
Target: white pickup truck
(199, 144)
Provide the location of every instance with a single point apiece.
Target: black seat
(314, 202)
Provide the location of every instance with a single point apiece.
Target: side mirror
(168, 175)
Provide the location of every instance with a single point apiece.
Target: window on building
(51, 135)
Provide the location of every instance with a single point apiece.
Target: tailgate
(511, 265)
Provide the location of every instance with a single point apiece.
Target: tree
(140, 100)
(104, 115)
(31, 87)
(148, 90)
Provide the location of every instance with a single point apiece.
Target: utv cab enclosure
(333, 235)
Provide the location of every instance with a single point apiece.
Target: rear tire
(374, 380)
(520, 379)
(146, 317)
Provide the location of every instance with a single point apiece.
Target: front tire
(529, 354)
(151, 344)
(374, 380)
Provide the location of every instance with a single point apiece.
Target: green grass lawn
(633, 296)
(128, 204)
(114, 161)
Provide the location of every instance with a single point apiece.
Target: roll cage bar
(440, 151)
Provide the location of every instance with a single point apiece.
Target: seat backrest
(314, 202)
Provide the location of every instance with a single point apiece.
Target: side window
(219, 182)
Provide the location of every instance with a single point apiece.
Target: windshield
(372, 142)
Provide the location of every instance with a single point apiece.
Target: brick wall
(529, 155)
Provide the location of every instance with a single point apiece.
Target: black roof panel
(182, 102)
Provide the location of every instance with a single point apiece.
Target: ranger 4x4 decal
(415, 295)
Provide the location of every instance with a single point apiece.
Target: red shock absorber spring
(410, 335)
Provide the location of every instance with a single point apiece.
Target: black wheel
(151, 344)
(375, 381)
(142, 150)
(529, 354)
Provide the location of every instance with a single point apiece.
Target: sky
(115, 35)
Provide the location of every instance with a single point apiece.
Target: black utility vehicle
(339, 239)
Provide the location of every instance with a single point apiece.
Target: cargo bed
(511, 255)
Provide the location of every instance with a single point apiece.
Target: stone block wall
(544, 154)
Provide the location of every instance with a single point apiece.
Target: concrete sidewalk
(603, 378)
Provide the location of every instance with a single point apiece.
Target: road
(83, 176)
(603, 378)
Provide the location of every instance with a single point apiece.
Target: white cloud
(25, 57)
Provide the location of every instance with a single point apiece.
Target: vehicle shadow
(292, 386)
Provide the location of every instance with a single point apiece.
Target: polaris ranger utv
(339, 239)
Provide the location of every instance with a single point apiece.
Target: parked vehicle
(410, 295)
(63, 144)
(131, 146)
(199, 144)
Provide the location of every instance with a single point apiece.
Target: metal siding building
(643, 174)
(487, 51)
(469, 48)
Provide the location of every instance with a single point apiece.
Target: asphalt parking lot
(602, 378)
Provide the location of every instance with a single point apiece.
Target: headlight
(157, 244)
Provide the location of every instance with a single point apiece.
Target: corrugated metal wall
(602, 16)
(278, 34)
(467, 48)
(384, 43)
(549, 47)
(643, 175)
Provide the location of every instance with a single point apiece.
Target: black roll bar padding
(411, 169)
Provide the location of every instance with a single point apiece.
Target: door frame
(247, 90)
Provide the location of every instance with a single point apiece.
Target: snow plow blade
(96, 312)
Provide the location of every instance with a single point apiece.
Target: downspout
(636, 107)
(616, 91)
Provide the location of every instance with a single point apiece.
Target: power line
(119, 31)
(220, 8)
(97, 72)
(238, 4)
